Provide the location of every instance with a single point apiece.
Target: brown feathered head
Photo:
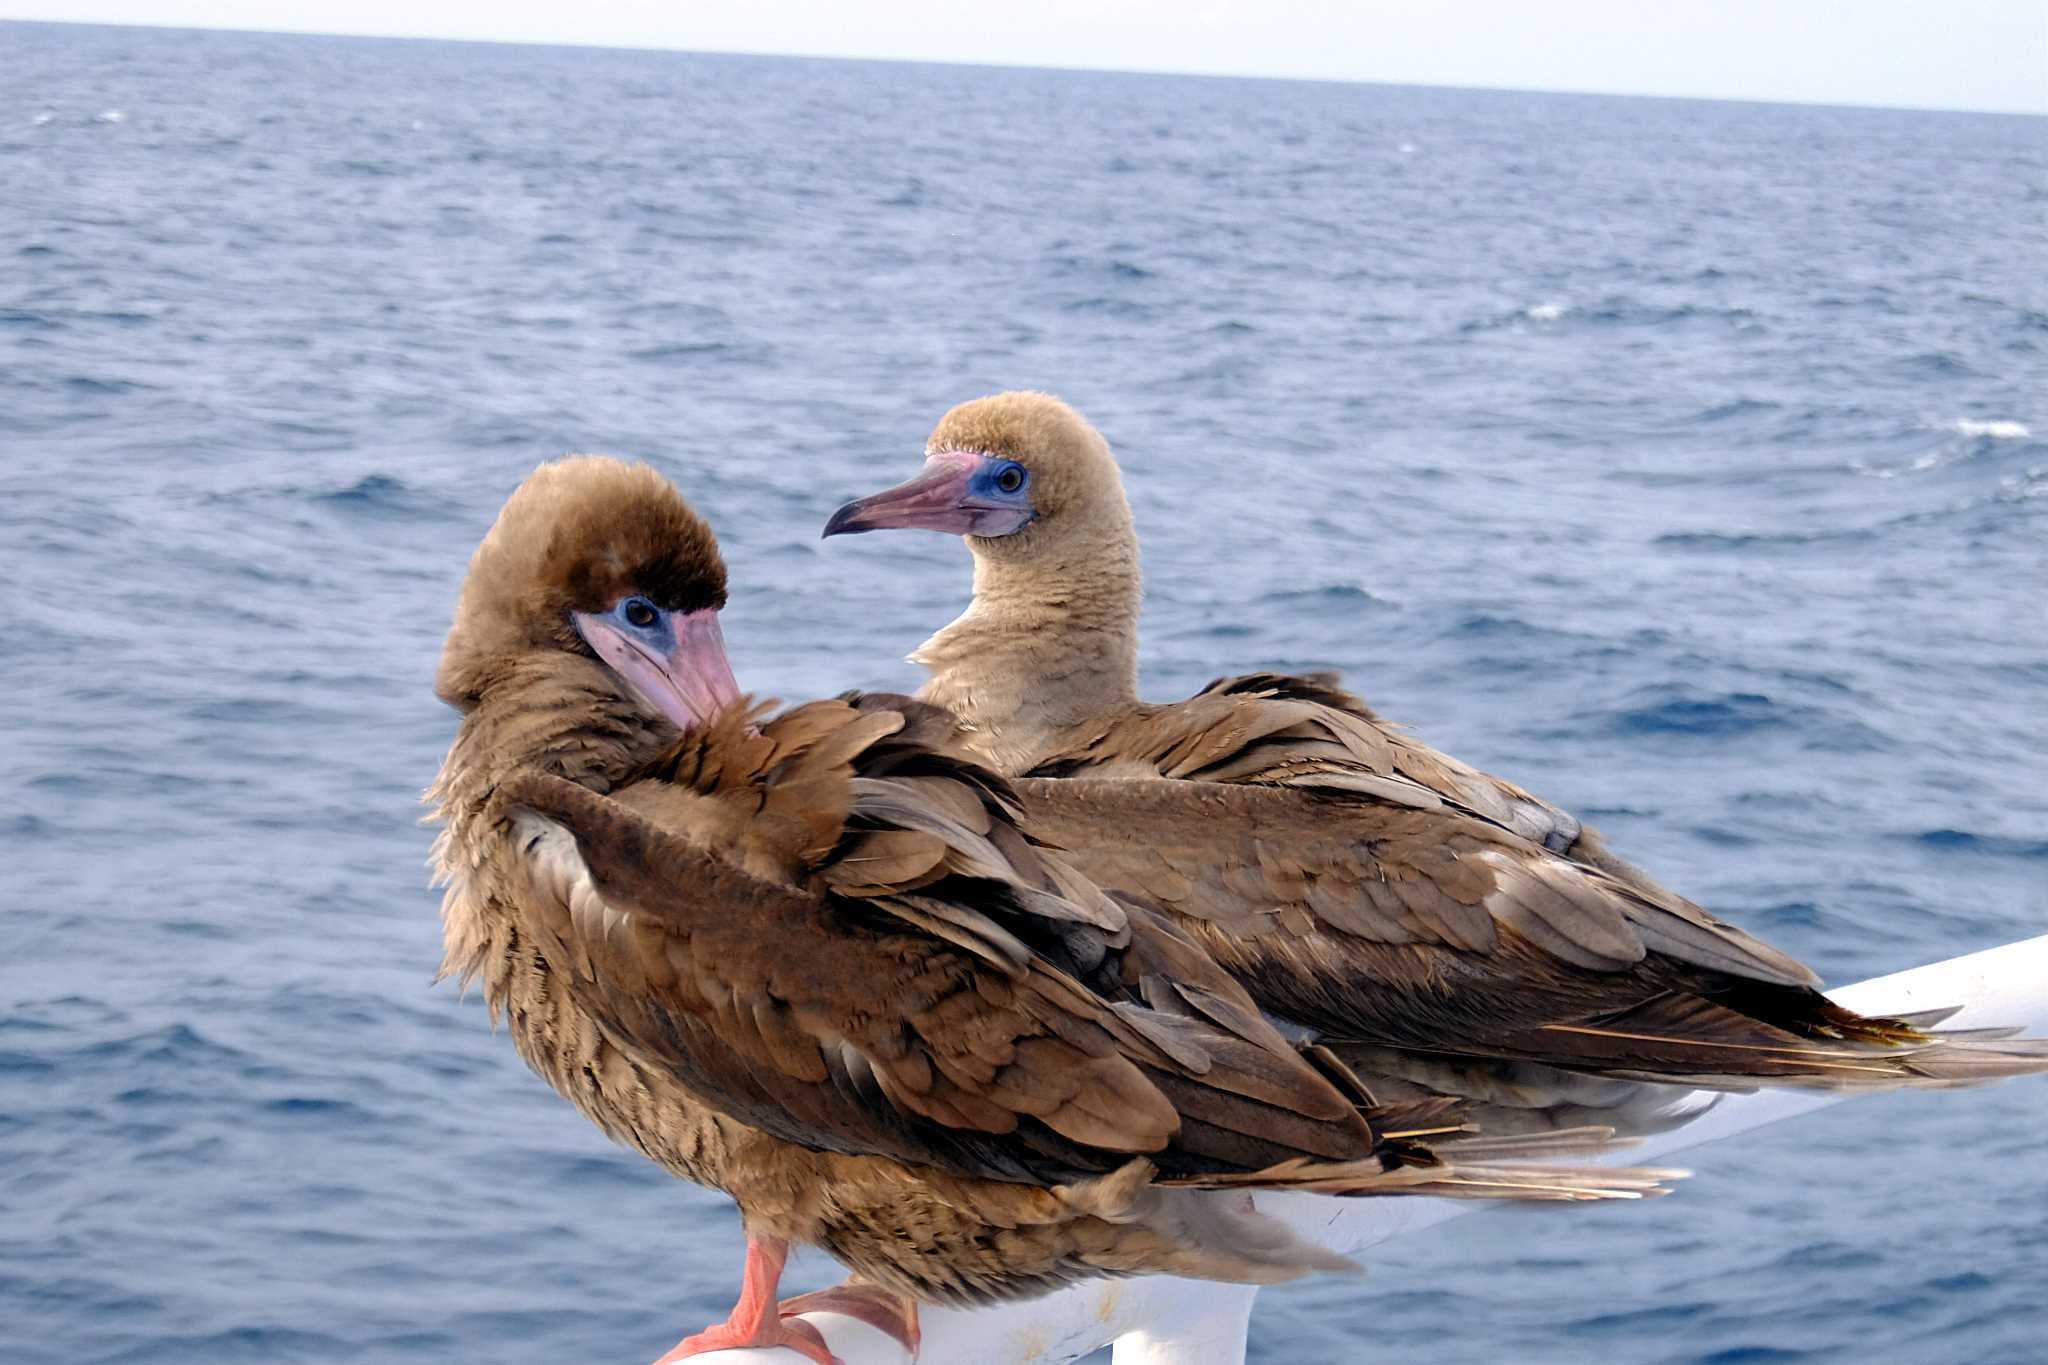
(596, 557)
(1020, 474)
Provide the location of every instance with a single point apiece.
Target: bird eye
(1010, 478)
(639, 612)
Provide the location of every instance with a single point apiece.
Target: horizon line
(1080, 69)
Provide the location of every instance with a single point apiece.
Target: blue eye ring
(1012, 477)
(639, 612)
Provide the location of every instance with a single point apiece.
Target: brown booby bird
(1358, 882)
(813, 961)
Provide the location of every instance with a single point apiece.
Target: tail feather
(1977, 1035)
(1555, 1183)
(1452, 1179)
(1966, 1057)
(1498, 1097)
(1209, 1226)
(1753, 1037)
(1588, 1140)
(1927, 1019)
(1946, 1062)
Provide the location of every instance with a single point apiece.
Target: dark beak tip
(844, 522)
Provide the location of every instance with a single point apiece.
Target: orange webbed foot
(794, 1333)
(886, 1311)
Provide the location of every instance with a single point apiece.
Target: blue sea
(1687, 462)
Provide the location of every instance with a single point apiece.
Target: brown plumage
(1391, 898)
(812, 960)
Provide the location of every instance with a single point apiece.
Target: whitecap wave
(40, 119)
(1919, 464)
(2026, 488)
(1545, 312)
(110, 116)
(1998, 430)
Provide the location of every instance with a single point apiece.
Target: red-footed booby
(812, 960)
(1356, 881)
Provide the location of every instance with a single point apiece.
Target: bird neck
(556, 713)
(1050, 641)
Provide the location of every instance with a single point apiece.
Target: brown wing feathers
(1444, 933)
(1337, 740)
(919, 1022)
(958, 1021)
(754, 994)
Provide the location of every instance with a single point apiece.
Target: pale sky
(1942, 54)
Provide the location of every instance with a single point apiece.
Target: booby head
(1016, 473)
(598, 558)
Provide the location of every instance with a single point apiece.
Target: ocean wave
(691, 352)
(1495, 626)
(1619, 311)
(1785, 915)
(1754, 540)
(85, 383)
(1630, 313)
(1998, 429)
(1919, 464)
(1685, 713)
(1114, 267)
(1731, 409)
(2025, 487)
(1682, 711)
(1325, 594)
(1660, 1319)
(1978, 437)
(1937, 364)
(177, 1045)
(374, 168)
(1963, 841)
(379, 496)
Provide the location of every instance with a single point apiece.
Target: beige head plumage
(1077, 493)
(574, 537)
(1051, 637)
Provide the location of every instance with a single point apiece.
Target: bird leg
(756, 1319)
(885, 1310)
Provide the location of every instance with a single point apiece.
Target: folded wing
(1388, 921)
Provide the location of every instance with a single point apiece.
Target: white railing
(1162, 1321)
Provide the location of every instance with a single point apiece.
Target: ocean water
(1687, 462)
